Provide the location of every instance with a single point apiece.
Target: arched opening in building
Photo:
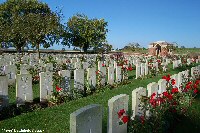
(158, 49)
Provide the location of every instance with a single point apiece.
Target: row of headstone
(176, 63)
(89, 118)
(24, 92)
(32, 59)
(76, 64)
(24, 81)
(142, 70)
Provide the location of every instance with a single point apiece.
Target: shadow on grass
(12, 110)
(190, 122)
(186, 125)
(131, 77)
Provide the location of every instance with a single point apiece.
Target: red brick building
(159, 48)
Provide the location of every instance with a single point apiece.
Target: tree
(104, 48)
(182, 47)
(85, 33)
(131, 46)
(31, 22)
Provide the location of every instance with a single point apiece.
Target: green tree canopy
(105, 48)
(24, 22)
(85, 33)
(131, 46)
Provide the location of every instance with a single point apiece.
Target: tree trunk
(38, 50)
(19, 51)
(85, 48)
(23, 51)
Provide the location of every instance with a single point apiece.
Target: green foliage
(131, 46)
(103, 48)
(24, 22)
(85, 33)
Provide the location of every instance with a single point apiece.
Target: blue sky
(142, 21)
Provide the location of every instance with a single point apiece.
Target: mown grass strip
(56, 119)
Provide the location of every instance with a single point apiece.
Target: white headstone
(66, 81)
(24, 92)
(24, 69)
(103, 75)
(10, 71)
(138, 67)
(174, 64)
(73, 60)
(118, 74)
(49, 67)
(77, 65)
(162, 86)
(142, 69)
(115, 104)
(100, 64)
(85, 65)
(175, 77)
(146, 69)
(87, 120)
(79, 79)
(46, 85)
(193, 72)
(156, 65)
(2, 69)
(110, 75)
(180, 80)
(91, 77)
(151, 88)
(136, 101)
(4, 101)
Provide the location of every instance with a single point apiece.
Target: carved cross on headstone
(10, 73)
(25, 86)
(2, 70)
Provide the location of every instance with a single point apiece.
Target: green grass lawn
(56, 119)
(187, 50)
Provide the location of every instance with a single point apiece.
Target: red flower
(158, 61)
(188, 86)
(174, 103)
(125, 119)
(184, 90)
(159, 100)
(153, 102)
(153, 95)
(130, 68)
(167, 78)
(195, 86)
(165, 93)
(173, 82)
(189, 83)
(142, 119)
(97, 72)
(174, 90)
(164, 77)
(58, 89)
(170, 97)
(197, 82)
(121, 112)
(195, 91)
(103, 65)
